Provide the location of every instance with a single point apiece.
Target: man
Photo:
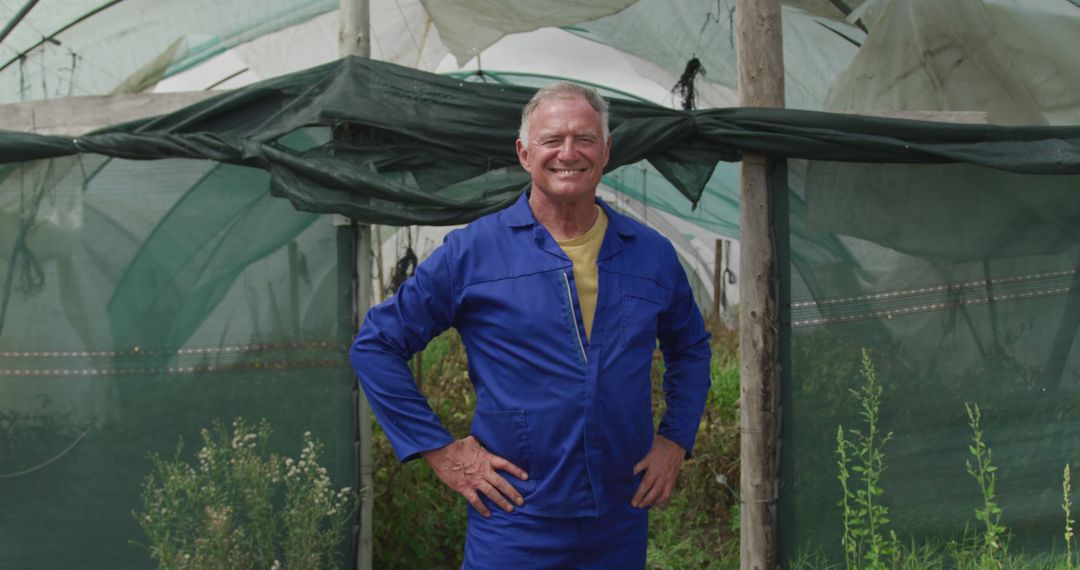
(559, 301)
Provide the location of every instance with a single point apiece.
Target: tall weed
(861, 462)
(992, 547)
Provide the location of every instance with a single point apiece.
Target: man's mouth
(567, 171)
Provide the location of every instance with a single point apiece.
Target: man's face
(566, 151)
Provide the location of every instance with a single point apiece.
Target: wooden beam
(79, 115)
(963, 117)
(354, 38)
(761, 84)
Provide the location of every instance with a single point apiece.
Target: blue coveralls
(575, 414)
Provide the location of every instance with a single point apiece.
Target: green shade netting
(963, 284)
(143, 301)
(143, 298)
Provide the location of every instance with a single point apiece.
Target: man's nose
(568, 149)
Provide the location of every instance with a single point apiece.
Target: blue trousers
(618, 539)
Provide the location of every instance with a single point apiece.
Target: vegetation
(419, 523)
(860, 464)
(992, 547)
(240, 507)
(700, 527)
(864, 516)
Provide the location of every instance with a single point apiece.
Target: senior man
(559, 301)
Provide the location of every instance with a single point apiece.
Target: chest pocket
(642, 303)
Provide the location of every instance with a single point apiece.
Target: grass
(419, 523)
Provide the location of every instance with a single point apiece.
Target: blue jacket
(575, 415)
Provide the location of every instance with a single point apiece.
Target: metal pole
(761, 84)
(354, 38)
(18, 18)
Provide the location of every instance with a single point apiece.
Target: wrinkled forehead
(566, 114)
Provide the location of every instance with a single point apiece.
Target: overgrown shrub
(239, 506)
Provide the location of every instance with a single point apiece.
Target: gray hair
(564, 90)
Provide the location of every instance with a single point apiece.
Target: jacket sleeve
(392, 332)
(685, 345)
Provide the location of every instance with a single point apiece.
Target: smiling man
(559, 301)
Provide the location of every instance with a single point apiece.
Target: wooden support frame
(761, 84)
(354, 38)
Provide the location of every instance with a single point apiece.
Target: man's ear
(523, 154)
(607, 151)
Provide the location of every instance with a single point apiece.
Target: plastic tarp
(95, 47)
(468, 27)
(1000, 56)
(432, 150)
(816, 48)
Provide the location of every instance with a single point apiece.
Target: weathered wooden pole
(355, 39)
(717, 280)
(761, 84)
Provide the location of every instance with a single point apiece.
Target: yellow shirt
(583, 251)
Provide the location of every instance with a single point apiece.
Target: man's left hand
(661, 466)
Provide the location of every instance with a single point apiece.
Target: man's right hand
(466, 467)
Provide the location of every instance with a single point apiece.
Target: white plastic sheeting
(96, 47)
(1009, 58)
(401, 33)
(468, 27)
(669, 34)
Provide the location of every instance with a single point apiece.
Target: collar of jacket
(520, 216)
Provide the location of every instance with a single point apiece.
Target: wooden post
(718, 282)
(355, 39)
(381, 293)
(761, 84)
(355, 28)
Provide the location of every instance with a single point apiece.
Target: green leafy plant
(862, 462)
(240, 507)
(992, 547)
(1066, 505)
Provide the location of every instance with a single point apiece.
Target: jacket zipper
(570, 298)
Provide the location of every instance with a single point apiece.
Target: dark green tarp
(426, 149)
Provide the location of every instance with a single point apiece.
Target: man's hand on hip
(466, 467)
(661, 466)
